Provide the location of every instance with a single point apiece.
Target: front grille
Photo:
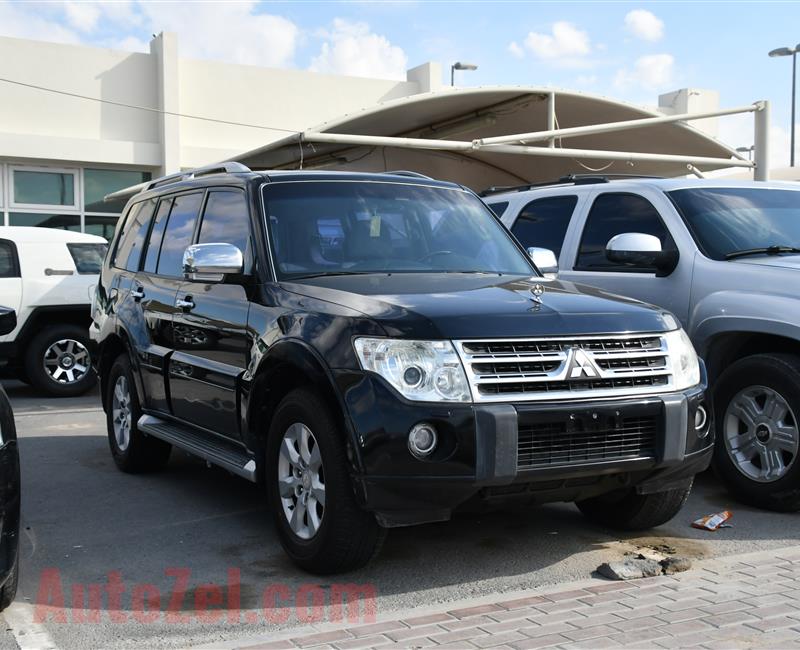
(563, 368)
(550, 444)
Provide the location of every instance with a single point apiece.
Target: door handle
(137, 293)
(185, 303)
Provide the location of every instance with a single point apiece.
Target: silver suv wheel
(761, 434)
(301, 481)
(66, 361)
(121, 413)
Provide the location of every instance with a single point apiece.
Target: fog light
(700, 421)
(422, 439)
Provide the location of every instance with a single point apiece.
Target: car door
(210, 331)
(614, 213)
(155, 288)
(10, 282)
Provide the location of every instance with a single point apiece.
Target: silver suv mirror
(641, 250)
(545, 260)
(212, 262)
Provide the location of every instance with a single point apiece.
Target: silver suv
(724, 257)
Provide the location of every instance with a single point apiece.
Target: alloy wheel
(761, 434)
(66, 361)
(301, 481)
(121, 413)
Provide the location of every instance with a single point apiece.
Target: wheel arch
(288, 365)
(108, 351)
(727, 347)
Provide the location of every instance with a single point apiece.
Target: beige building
(60, 153)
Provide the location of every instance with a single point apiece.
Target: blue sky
(629, 50)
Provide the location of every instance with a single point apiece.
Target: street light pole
(458, 65)
(786, 51)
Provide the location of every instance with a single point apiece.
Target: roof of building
(467, 114)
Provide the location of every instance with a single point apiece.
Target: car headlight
(683, 359)
(425, 371)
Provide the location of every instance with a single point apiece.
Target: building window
(99, 182)
(40, 186)
(62, 221)
(103, 226)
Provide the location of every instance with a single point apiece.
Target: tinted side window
(498, 208)
(156, 235)
(129, 251)
(613, 214)
(179, 233)
(9, 266)
(226, 219)
(544, 222)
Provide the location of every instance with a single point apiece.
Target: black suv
(378, 351)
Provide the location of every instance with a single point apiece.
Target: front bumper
(491, 452)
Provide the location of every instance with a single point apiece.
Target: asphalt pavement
(174, 541)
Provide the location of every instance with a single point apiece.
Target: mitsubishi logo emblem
(580, 364)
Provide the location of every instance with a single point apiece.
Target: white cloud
(564, 42)
(82, 15)
(18, 22)
(225, 31)
(651, 72)
(350, 48)
(516, 50)
(645, 25)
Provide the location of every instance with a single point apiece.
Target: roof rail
(229, 167)
(405, 172)
(569, 179)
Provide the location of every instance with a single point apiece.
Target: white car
(47, 276)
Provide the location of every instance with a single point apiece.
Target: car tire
(134, 452)
(58, 363)
(754, 399)
(339, 536)
(9, 590)
(627, 510)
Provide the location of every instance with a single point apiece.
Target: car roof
(36, 234)
(242, 179)
(662, 184)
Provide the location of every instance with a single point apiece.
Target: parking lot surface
(184, 536)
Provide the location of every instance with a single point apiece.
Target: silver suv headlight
(424, 371)
(683, 359)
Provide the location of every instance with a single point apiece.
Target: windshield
(88, 258)
(731, 219)
(357, 227)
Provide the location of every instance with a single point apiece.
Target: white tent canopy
(443, 134)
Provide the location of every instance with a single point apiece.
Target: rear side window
(226, 219)
(9, 265)
(156, 235)
(129, 250)
(544, 222)
(179, 233)
(88, 258)
(613, 214)
(498, 208)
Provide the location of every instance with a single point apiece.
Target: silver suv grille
(525, 370)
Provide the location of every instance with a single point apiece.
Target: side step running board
(198, 443)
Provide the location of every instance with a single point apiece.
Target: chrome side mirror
(640, 250)
(8, 320)
(545, 260)
(212, 262)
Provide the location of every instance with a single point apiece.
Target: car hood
(781, 261)
(445, 305)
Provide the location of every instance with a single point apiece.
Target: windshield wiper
(768, 250)
(325, 274)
